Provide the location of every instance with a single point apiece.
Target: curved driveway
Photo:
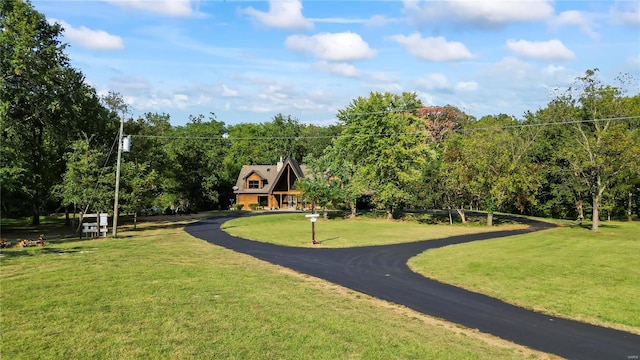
(382, 272)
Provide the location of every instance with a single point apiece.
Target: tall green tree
(88, 180)
(31, 65)
(195, 154)
(140, 186)
(384, 148)
(454, 175)
(492, 165)
(602, 145)
(44, 106)
(340, 164)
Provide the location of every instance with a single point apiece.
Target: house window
(254, 184)
(263, 201)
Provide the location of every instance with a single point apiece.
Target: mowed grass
(158, 293)
(568, 272)
(295, 230)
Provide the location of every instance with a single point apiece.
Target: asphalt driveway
(382, 272)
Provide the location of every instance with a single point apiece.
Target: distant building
(271, 186)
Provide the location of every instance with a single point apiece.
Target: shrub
(253, 206)
(239, 206)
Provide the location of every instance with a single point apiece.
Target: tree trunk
(37, 174)
(629, 206)
(450, 217)
(135, 220)
(595, 218)
(390, 214)
(67, 219)
(463, 218)
(325, 213)
(353, 210)
(35, 220)
(580, 209)
(489, 219)
(597, 199)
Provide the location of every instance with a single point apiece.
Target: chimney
(279, 165)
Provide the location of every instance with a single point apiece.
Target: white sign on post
(313, 218)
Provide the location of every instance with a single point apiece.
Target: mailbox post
(313, 218)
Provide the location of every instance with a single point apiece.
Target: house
(271, 186)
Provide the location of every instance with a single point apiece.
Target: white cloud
(541, 50)
(91, 39)
(285, 98)
(510, 68)
(433, 48)
(433, 82)
(227, 92)
(346, 46)
(373, 21)
(467, 86)
(136, 85)
(625, 13)
(174, 8)
(180, 101)
(383, 77)
(578, 19)
(553, 69)
(486, 13)
(282, 14)
(378, 21)
(343, 69)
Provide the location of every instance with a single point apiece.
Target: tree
(194, 155)
(455, 175)
(440, 120)
(88, 180)
(140, 187)
(601, 146)
(316, 139)
(340, 164)
(382, 145)
(492, 165)
(319, 186)
(44, 106)
(32, 64)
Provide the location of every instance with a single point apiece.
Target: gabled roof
(254, 171)
(269, 173)
(266, 172)
(297, 170)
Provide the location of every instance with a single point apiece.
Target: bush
(253, 206)
(239, 206)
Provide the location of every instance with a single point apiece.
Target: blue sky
(247, 61)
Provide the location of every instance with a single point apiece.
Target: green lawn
(571, 272)
(158, 293)
(295, 230)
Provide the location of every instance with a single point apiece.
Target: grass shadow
(587, 225)
(329, 239)
(166, 226)
(13, 253)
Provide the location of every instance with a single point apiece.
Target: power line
(417, 132)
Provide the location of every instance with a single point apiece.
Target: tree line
(577, 157)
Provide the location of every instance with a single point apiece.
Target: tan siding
(253, 176)
(247, 199)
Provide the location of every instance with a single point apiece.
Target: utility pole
(115, 202)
